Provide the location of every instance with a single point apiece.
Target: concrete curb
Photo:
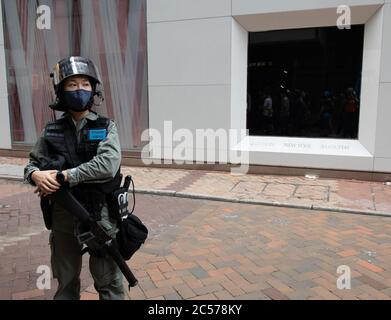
(200, 196)
(10, 177)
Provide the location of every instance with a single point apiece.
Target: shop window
(305, 82)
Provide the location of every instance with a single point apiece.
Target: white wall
(370, 80)
(189, 67)
(197, 61)
(385, 71)
(383, 141)
(5, 131)
(305, 19)
(169, 10)
(245, 7)
(238, 76)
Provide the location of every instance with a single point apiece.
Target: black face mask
(77, 100)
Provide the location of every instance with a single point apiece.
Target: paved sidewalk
(202, 249)
(239, 251)
(24, 240)
(290, 191)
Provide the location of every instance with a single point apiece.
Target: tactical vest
(66, 152)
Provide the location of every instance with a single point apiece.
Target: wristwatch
(60, 177)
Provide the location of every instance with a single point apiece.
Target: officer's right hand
(46, 181)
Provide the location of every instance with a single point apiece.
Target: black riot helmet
(74, 66)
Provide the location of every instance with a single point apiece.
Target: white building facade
(197, 67)
(197, 78)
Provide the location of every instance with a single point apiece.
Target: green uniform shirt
(101, 168)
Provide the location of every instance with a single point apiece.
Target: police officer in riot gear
(85, 148)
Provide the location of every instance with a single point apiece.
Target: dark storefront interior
(305, 82)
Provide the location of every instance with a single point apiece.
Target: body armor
(66, 152)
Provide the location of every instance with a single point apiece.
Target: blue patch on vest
(97, 134)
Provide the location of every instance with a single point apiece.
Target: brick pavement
(236, 251)
(24, 239)
(202, 249)
(296, 191)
